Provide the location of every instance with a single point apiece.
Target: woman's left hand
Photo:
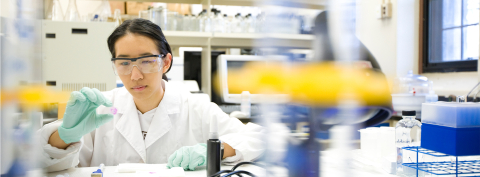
(189, 157)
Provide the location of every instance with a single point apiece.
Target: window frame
(447, 66)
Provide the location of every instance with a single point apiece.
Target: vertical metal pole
(461, 32)
(456, 166)
(417, 161)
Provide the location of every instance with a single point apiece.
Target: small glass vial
(407, 133)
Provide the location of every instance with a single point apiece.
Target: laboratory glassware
(117, 17)
(171, 21)
(103, 11)
(57, 12)
(238, 24)
(409, 92)
(145, 14)
(200, 18)
(218, 22)
(187, 23)
(207, 22)
(431, 96)
(179, 22)
(227, 24)
(159, 17)
(72, 11)
(249, 24)
(195, 26)
(412, 83)
(407, 133)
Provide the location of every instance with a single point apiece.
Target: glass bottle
(207, 21)
(227, 24)
(250, 23)
(201, 20)
(186, 23)
(57, 11)
(219, 22)
(238, 23)
(259, 23)
(103, 11)
(195, 26)
(117, 17)
(245, 23)
(407, 133)
(72, 12)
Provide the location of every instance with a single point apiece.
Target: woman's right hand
(80, 115)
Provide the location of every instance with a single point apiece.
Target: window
(450, 35)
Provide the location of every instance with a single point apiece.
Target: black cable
(239, 172)
(246, 163)
(220, 172)
(232, 171)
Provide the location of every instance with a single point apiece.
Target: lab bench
(328, 170)
(110, 171)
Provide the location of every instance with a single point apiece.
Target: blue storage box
(451, 141)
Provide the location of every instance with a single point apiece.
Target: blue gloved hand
(189, 157)
(80, 115)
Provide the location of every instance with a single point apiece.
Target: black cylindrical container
(213, 156)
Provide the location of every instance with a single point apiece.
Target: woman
(155, 123)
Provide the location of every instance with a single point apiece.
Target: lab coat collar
(129, 126)
(161, 123)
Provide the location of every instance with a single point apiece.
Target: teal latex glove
(80, 115)
(189, 157)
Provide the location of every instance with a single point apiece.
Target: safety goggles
(146, 64)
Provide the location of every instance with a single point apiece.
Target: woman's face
(142, 86)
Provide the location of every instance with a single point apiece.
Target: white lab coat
(180, 120)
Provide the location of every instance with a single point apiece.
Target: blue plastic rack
(443, 168)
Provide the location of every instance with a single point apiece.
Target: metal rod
(417, 161)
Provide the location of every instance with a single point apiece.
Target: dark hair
(141, 27)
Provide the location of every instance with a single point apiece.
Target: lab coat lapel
(161, 123)
(129, 127)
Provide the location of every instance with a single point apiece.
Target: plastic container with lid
(411, 83)
(452, 114)
(410, 92)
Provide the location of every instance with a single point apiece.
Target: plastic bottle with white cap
(431, 96)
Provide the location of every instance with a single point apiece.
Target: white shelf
(309, 4)
(267, 40)
(187, 38)
(201, 39)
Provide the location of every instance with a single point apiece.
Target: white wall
(458, 83)
(394, 43)
(407, 36)
(379, 36)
